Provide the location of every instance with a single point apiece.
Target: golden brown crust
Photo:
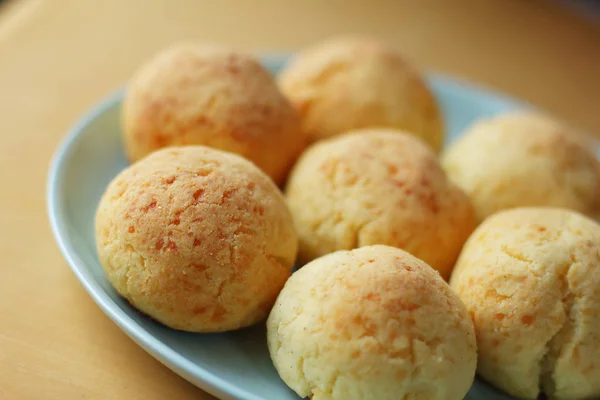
(377, 186)
(524, 159)
(199, 239)
(356, 82)
(207, 95)
(530, 278)
(372, 323)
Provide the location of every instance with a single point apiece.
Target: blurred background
(545, 51)
(59, 57)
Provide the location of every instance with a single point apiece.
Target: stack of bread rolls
(419, 266)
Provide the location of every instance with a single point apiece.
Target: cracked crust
(371, 323)
(211, 96)
(377, 186)
(355, 82)
(525, 160)
(198, 239)
(530, 278)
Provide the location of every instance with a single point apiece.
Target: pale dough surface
(530, 278)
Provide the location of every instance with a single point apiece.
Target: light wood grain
(58, 57)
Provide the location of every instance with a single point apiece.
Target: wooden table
(58, 57)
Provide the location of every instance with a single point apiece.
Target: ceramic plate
(229, 366)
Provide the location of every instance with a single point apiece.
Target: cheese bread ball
(206, 95)
(530, 278)
(196, 238)
(356, 82)
(372, 323)
(377, 186)
(525, 159)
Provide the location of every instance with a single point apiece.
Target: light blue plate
(229, 366)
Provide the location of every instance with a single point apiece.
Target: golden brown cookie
(198, 239)
(207, 95)
(530, 278)
(525, 159)
(356, 82)
(371, 324)
(377, 186)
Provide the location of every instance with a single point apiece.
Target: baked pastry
(193, 94)
(377, 186)
(350, 82)
(196, 238)
(525, 159)
(530, 278)
(371, 323)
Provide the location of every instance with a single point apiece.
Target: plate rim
(195, 374)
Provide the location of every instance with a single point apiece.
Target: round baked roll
(525, 159)
(377, 186)
(193, 94)
(530, 278)
(356, 82)
(196, 238)
(371, 323)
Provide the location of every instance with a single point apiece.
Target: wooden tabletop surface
(58, 57)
